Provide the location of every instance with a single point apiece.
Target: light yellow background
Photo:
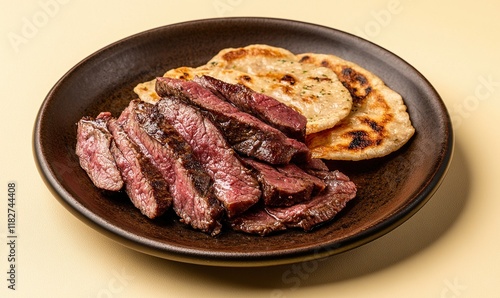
(450, 248)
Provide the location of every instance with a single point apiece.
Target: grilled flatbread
(313, 91)
(351, 113)
(378, 123)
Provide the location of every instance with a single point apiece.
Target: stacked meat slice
(218, 154)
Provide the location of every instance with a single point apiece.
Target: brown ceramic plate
(391, 189)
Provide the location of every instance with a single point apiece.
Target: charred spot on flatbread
(263, 51)
(244, 79)
(356, 83)
(289, 79)
(360, 140)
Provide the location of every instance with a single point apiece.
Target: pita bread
(313, 91)
(351, 113)
(378, 123)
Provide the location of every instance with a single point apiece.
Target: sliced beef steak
(257, 221)
(294, 171)
(314, 164)
(234, 186)
(245, 133)
(323, 207)
(283, 186)
(266, 108)
(190, 186)
(93, 146)
(144, 184)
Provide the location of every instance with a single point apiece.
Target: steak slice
(293, 171)
(323, 207)
(282, 186)
(257, 221)
(264, 107)
(314, 164)
(144, 184)
(190, 186)
(245, 133)
(93, 146)
(234, 186)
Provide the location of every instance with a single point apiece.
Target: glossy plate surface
(390, 189)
